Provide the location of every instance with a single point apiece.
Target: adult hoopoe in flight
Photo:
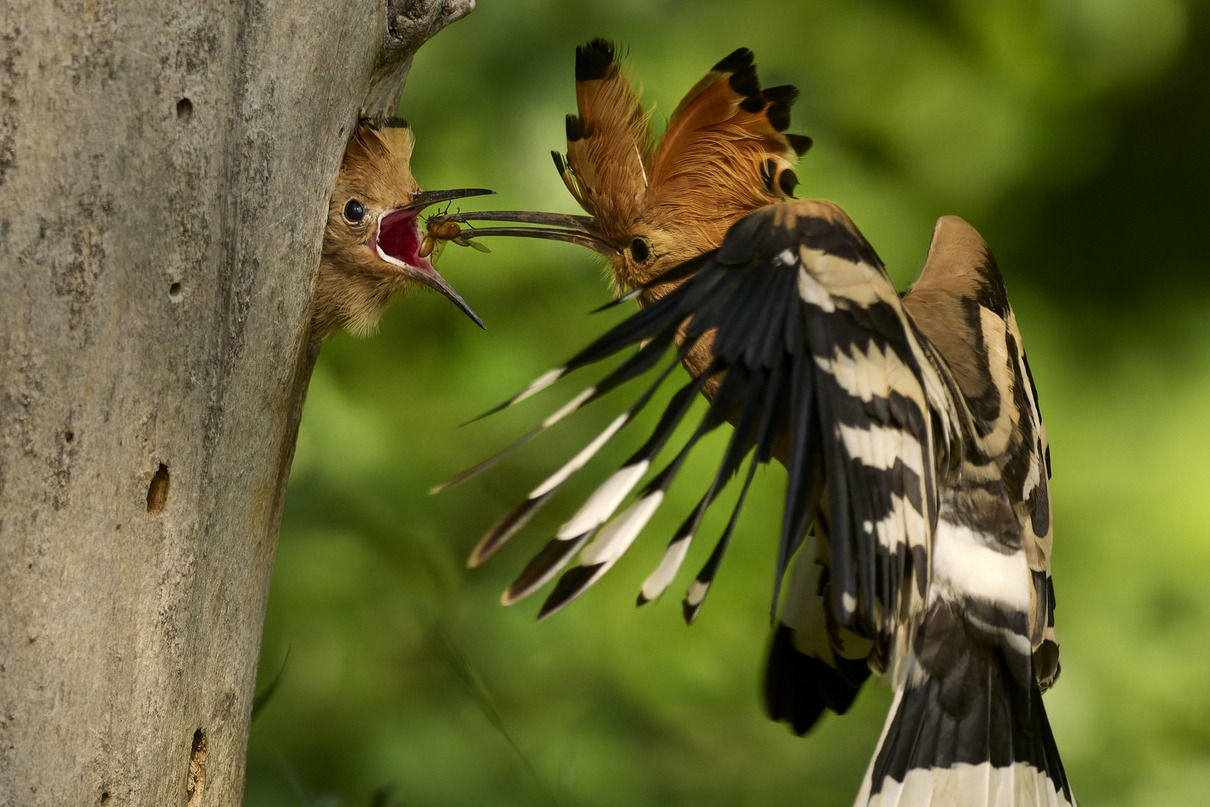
(916, 534)
(373, 245)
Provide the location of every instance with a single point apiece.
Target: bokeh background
(1071, 133)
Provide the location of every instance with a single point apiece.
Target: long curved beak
(438, 283)
(582, 230)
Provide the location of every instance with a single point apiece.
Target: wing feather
(913, 444)
(806, 329)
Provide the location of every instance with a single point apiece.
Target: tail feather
(965, 731)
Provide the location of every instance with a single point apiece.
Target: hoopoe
(916, 532)
(373, 245)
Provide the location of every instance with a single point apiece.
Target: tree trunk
(164, 176)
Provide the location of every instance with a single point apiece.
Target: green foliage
(1069, 133)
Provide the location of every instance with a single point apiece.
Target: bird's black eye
(639, 250)
(355, 211)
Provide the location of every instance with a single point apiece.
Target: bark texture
(164, 174)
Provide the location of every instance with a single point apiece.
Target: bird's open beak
(580, 230)
(397, 240)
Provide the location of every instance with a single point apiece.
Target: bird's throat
(398, 239)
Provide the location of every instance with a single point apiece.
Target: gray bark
(164, 173)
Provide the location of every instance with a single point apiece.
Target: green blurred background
(1070, 133)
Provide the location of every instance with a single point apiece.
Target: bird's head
(373, 243)
(654, 203)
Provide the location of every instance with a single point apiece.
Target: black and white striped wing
(967, 723)
(816, 364)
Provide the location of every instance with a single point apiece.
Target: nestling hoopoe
(916, 535)
(372, 248)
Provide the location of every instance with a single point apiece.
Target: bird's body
(372, 242)
(916, 535)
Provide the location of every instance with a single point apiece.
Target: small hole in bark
(174, 292)
(157, 491)
(184, 110)
(105, 797)
(197, 770)
(69, 435)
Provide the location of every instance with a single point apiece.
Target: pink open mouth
(397, 243)
(399, 239)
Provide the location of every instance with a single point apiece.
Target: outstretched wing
(968, 719)
(816, 364)
(991, 552)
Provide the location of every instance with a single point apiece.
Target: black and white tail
(962, 730)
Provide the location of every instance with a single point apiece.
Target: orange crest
(723, 155)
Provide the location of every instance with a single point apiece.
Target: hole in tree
(197, 770)
(157, 491)
(104, 797)
(184, 110)
(174, 292)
